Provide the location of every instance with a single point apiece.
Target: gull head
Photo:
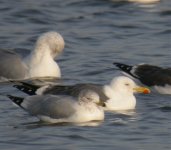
(121, 93)
(89, 96)
(50, 41)
(127, 85)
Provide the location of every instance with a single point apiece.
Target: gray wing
(11, 65)
(53, 106)
(74, 90)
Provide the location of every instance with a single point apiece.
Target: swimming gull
(59, 108)
(118, 95)
(155, 77)
(39, 63)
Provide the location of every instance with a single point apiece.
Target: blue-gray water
(96, 33)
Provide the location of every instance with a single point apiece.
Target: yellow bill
(143, 90)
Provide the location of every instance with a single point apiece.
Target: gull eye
(127, 84)
(89, 99)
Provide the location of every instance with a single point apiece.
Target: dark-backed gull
(155, 77)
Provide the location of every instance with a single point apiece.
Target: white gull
(39, 63)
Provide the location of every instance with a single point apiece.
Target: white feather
(121, 94)
(41, 61)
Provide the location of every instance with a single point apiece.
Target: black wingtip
(123, 67)
(30, 90)
(16, 100)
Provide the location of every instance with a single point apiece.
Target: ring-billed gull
(39, 63)
(62, 108)
(155, 77)
(118, 95)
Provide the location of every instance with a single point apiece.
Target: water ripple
(96, 34)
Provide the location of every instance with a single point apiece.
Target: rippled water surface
(96, 33)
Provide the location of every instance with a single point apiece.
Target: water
(96, 33)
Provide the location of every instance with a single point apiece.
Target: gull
(63, 108)
(39, 63)
(155, 77)
(118, 95)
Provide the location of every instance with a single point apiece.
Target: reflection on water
(144, 2)
(125, 112)
(38, 124)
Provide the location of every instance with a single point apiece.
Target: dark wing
(153, 75)
(149, 75)
(71, 90)
(74, 90)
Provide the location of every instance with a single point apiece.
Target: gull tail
(125, 68)
(16, 100)
(27, 88)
